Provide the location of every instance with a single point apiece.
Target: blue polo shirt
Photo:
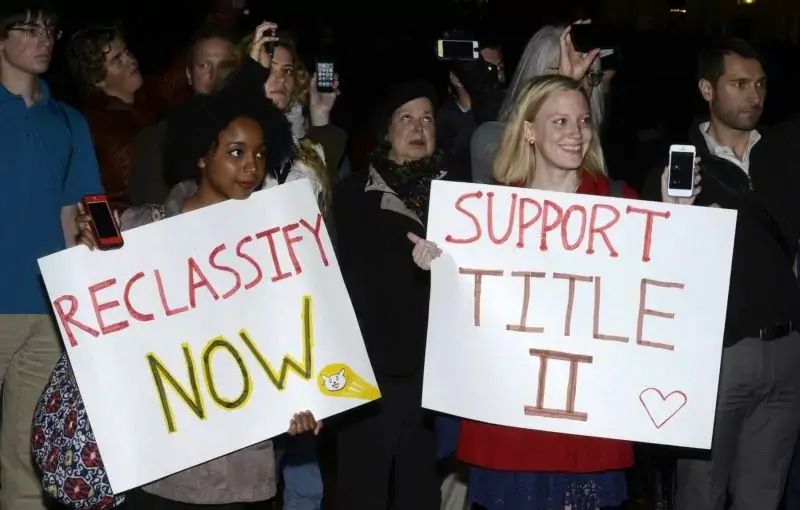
(47, 161)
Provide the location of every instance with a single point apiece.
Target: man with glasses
(47, 165)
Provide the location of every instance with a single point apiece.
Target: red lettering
(648, 227)
(126, 298)
(548, 227)
(212, 261)
(316, 230)
(467, 240)
(289, 242)
(196, 280)
(572, 278)
(163, 295)
(644, 311)
(598, 282)
(108, 305)
(526, 224)
(478, 274)
(565, 225)
(490, 218)
(279, 274)
(68, 319)
(242, 255)
(601, 231)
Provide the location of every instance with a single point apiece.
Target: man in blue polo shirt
(47, 164)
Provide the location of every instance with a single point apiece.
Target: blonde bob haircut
(515, 162)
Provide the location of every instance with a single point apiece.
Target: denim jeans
(296, 458)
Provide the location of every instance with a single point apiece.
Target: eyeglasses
(33, 32)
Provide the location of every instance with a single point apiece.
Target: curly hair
(242, 51)
(194, 129)
(86, 54)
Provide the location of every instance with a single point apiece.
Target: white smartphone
(680, 172)
(451, 49)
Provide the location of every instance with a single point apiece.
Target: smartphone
(271, 45)
(105, 227)
(680, 172)
(588, 36)
(325, 75)
(451, 49)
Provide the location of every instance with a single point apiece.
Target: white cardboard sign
(577, 314)
(207, 331)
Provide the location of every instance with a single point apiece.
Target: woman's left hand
(303, 422)
(571, 62)
(424, 251)
(320, 104)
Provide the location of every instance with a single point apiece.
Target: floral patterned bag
(64, 447)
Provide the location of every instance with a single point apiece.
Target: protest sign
(577, 314)
(207, 331)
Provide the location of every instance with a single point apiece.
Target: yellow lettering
(247, 384)
(161, 373)
(305, 369)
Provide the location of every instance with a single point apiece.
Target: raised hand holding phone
(571, 62)
(322, 93)
(263, 44)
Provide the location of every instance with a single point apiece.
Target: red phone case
(106, 243)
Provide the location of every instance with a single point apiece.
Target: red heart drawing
(659, 408)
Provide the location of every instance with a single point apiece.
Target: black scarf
(411, 181)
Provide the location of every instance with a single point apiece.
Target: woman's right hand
(571, 62)
(263, 36)
(86, 235)
(424, 251)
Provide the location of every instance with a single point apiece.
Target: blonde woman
(549, 143)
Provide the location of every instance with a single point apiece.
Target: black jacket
(763, 288)
(389, 292)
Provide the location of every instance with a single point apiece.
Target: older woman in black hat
(376, 212)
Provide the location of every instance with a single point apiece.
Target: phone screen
(325, 75)
(103, 221)
(588, 36)
(459, 50)
(681, 170)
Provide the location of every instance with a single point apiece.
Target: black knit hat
(397, 97)
(195, 126)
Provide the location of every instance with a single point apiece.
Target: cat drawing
(335, 382)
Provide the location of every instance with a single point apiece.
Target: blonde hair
(516, 158)
(242, 51)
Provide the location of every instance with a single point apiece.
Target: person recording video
(476, 87)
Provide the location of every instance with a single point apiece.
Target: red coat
(512, 449)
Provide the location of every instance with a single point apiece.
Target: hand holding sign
(568, 306)
(303, 422)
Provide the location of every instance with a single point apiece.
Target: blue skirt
(507, 490)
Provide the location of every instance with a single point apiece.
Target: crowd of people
(257, 120)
